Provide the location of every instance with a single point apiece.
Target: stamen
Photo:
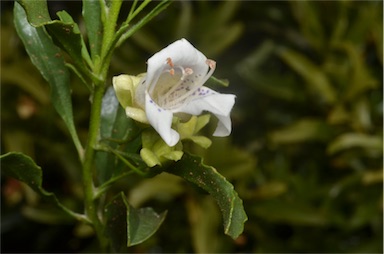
(184, 72)
(212, 67)
(211, 63)
(172, 71)
(169, 62)
(188, 71)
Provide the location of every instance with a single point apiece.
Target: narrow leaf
(127, 226)
(24, 169)
(315, 78)
(48, 60)
(192, 169)
(354, 140)
(123, 33)
(92, 19)
(304, 130)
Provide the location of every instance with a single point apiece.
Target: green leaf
(315, 78)
(114, 122)
(114, 126)
(92, 20)
(351, 140)
(192, 169)
(294, 213)
(37, 11)
(308, 17)
(48, 60)
(66, 34)
(204, 219)
(24, 169)
(361, 80)
(124, 33)
(234, 162)
(262, 79)
(304, 130)
(128, 226)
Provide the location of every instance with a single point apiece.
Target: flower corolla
(173, 84)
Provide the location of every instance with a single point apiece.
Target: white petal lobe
(161, 121)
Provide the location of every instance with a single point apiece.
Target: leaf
(304, 130)
(293, 213)
(124, 33)
(24, 169)
(315, 78)
(361, 79)
(234, 162)
(192, 169)
(158, 187)
(254, 69)
(48, 60)
(115, 125)
(37, 11)
(308, 17)
(114, 122)
(128, 226)
(92, 19)
(204, 219)
(351, 140)
(66, 34)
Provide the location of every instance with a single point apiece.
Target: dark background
(308, 168)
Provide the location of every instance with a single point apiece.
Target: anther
(211, 63)
(169, 62)
(188, 71)
(172, 71)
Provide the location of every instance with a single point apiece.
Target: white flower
(174, 84)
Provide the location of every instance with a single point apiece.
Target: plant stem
(94, 127)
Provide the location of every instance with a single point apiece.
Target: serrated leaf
(48, 60)
(127, 226)
(192, 169)
(24, 169)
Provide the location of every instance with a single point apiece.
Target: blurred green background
(306, 150)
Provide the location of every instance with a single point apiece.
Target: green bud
(156, 152)
(189, 129)
(125, 87)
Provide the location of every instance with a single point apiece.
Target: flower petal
(181, 53)
(218, 104)
(224, 126)
(161, 121)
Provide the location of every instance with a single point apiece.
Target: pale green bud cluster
(154, 150)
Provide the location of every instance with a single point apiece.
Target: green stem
(94, 127)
